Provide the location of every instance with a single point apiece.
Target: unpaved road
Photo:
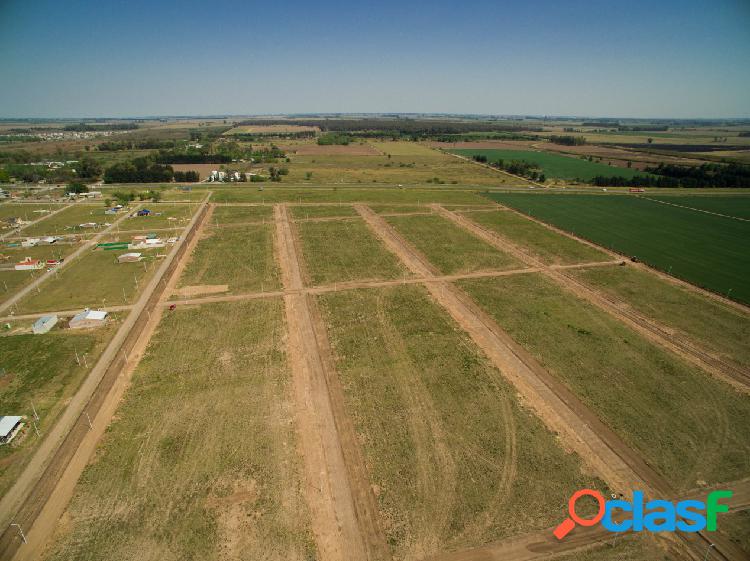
(344, 514)
(734, 375)
(56, 464)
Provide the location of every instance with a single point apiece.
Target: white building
(44, 324)
(88, 318)
(9, 427)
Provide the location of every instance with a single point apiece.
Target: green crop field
(456, 460)
(238, 214)
(554, 165)
(689, 426)
(543, 243)
(201, 458)
(346, 250)
(737, 206)
(241, 258)
(716, 327)
(40, 369)
(706, 250)
(450, 248)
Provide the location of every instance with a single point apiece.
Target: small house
(9, 427)
(143, 212)
(88, 318)
(30, 242)
(44, 324)
(88, 225)
(129, 257)
(29, 264)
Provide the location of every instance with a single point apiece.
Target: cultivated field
(707, 250)
(201, 462)
(454, 460)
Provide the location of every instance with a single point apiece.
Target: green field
(345, 250)
(321, 211)
(163, 216)
(706, 250)
(456, 461)
(200, 462)
(40, 369)
(554, 166)
(67, 221)
(25, 211)
(543, 243)
(688, 426)
(241, 258)
(238, 214)
(718, 328)
(737, 206)
(450, 248)
(345, 195)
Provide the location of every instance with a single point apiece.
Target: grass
(455, 460)
(40, 369)
(170, 216)
(322, 194)
(398, 209)
(737, 526)
(25, 211)
(708, 324)
(690, 427)
(706, 250)
(555, 166)
(93, 280)
(548, 246)
(450, 248)
(11, 280)
(67, 221)
(240, 257)
(239, 214)
(339, 251)
(737, 206)
(200, 462)
(322, 211)
(629, 547)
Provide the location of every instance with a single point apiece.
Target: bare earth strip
(344, 517)
(734, 375)
(41, 493)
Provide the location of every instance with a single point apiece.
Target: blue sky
(665, 58)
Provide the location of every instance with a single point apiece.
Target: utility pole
(88, 419)
(20, 531)
(36, 417)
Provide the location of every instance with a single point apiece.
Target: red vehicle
(636, 190)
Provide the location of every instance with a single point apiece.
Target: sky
(655, 58)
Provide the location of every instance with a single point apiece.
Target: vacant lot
(706, 250)
(67, 221)
(322, 211)
(399, 209)
(162, 216)
(29, 212)
(353, 149)
(40, 369)
(349, 195)
(239, 214)
(548, 246)
(241, 258)
(454, 460)
(94, 280)
(201, 460)
(555, 166)
(690, 427)
(449, 247)
(339, 251)
(708, 324)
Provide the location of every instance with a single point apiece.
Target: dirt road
(344, 514)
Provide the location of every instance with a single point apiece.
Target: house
(52, 263)
(49, 240)
(88, 225)
(44, 324)
(30, 242)
(110, 211)
(129, 257)
(29, 264)
(88, 318)
(143, 212)
(9, 427)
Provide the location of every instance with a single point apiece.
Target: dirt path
(656, 333)
(344, 517)
(63, 313)
(42, 491)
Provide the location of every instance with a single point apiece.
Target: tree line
(670, 175)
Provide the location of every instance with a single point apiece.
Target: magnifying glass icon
(569, 523)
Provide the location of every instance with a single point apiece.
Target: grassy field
(706, 250)
(12, 280)
(168, 216)
(555, 166)
(93, 280)
(449, 247)
(25, 211)
(737, 206)
(628, 547)
(546, 245)
(390, 194)
(398, 209)
(241, 258)
(40, 369)
(239, 214)
(67, 221)
(200, 462)
(737, 526)
(322, 211)
(708, 324)
(690, 427)
(339, 251)
(454, 459)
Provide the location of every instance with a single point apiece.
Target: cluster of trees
(87, 169)
(138, 170)
(252, 137)
(124, 197)
(669, 175)
(189, 176)
(644, 128)
(276, 173)
(568, 140)
(146, 144)
(88, 127)
(334, 138)
(523, 168)
(165, 157)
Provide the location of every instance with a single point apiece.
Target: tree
(77, 188)
(88, 168)
(650, 140)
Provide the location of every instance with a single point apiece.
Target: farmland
(554, 165)
(451, 452)
(734, 206)
(171, 474)
(631, 384)
(706, 250)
